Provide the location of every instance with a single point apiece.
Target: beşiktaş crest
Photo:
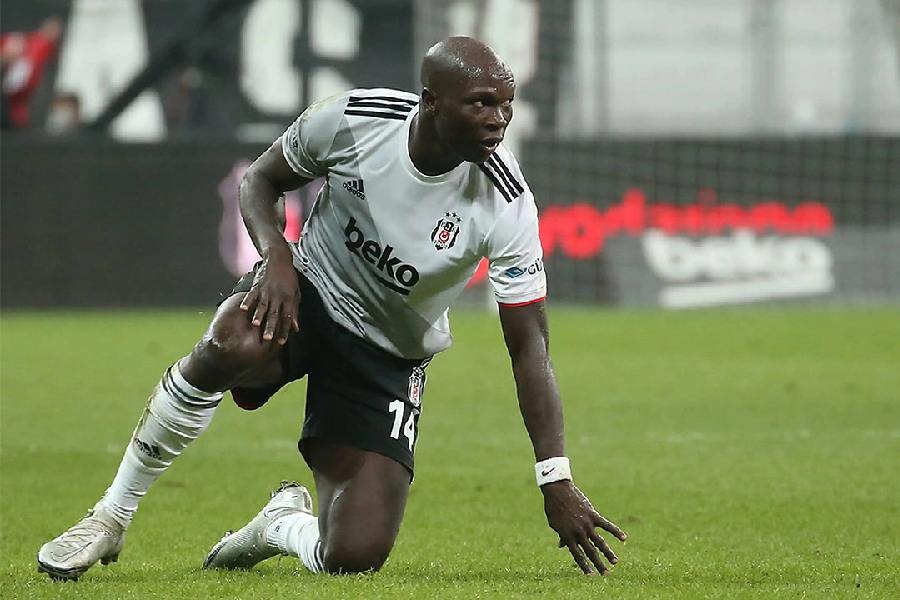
(446, 230)
(416, 386)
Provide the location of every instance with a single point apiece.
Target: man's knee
(356, 557)
(231, 341)
(230, 349)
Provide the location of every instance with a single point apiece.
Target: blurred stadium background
(682, 153)
(703, 153)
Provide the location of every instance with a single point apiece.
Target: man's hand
(572, 516)
(274, 299)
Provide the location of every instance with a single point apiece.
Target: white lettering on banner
(334, 34)
(268, 76)
(104, 47)
(334, 29)
(327, 81)
(738, 268)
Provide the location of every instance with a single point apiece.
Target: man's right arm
(274, 299)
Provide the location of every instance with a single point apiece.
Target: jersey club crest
(444, 234)
(416, 386)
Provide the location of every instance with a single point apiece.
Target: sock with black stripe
(297, 534)
(176, 415)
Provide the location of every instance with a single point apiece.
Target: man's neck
(426, 152)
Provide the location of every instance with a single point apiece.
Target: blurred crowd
(24, 57)
(27, 56)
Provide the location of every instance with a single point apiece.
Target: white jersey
(389, 248)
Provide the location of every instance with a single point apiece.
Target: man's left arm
(568, 510)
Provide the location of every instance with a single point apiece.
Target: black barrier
(100, 224)
(719, 221)
(857, 177)
(676, 223)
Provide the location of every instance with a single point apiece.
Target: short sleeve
(307, 142)
(515, 256)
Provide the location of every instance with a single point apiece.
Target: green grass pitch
(746, 452)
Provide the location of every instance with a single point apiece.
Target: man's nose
(496, 120)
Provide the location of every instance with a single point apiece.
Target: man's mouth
(490, 144)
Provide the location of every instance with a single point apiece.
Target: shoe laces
(285, 485)
(290, 491)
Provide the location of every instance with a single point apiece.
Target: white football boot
(248, 546)
(96, 537)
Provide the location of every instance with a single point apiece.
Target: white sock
(297, 534)
(176, 415)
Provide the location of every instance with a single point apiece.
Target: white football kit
(389, 248)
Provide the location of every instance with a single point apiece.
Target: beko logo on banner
(737, 268)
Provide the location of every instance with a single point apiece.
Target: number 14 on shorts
(409, 429)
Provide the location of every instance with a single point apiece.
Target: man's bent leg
(362, 496)
(183, 403)
(180, 409)
(351, 401)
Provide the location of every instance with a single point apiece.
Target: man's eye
(478, 104)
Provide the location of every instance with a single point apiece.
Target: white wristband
(552, 469)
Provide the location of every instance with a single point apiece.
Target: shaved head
(465, 106)
(460, 59)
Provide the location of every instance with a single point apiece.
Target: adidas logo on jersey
(356, 188)
(381, 258)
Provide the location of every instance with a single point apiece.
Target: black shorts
(357, 394)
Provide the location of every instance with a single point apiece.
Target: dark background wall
(113, 224)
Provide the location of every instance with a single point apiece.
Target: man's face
(471, 115)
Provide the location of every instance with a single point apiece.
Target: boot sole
(58, 574)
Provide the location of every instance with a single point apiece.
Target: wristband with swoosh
(552, 469)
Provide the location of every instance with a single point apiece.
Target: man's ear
(429, 100)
